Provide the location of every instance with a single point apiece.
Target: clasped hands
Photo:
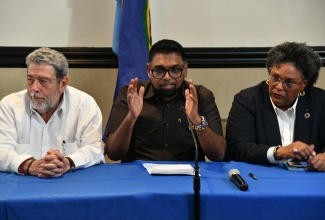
(53, 164)
(301, 151)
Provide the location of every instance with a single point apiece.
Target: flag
(131, 42)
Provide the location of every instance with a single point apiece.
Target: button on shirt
(161, 131)
(75, 128)
(286, 121)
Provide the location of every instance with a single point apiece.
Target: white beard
(48, 104)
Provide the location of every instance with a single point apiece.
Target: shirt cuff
(72, 165)
(270, 156)
(14, 165)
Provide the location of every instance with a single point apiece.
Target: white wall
(194, 23)
(239, 23)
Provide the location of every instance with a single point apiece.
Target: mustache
(165, 84)
(36, 95)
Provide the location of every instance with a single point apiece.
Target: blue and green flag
(131, 42)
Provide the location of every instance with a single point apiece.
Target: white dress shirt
(75, 128)
(286, 121)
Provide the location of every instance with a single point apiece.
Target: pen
(253, 176)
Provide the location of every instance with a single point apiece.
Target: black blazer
(252, 126)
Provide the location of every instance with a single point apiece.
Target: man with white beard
(50, 128)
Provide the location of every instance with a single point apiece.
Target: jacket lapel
(270, 120)
(303, 119)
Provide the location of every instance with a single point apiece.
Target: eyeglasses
(275, 80)
(174, 72)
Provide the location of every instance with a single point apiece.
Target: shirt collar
(292, 108)
(150, 93)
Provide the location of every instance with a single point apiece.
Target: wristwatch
(202, 126)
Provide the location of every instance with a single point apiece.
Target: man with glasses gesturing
(282, 118)
(146, 122)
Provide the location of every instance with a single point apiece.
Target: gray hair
(50, 57)
(303, 57)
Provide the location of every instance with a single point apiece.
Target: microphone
(196, 181)
(234, 176)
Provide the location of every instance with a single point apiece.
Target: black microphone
(234, 176)
(196, 181)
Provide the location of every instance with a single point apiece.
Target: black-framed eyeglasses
(275, 80)
(174, 72)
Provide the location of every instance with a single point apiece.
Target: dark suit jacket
(252, 126)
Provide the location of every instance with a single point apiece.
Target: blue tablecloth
(127, 191)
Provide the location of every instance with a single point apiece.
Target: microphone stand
(196, 187)
(196, 180)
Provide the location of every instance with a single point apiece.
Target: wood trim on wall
(88, 57)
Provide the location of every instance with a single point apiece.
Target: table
(127, 191)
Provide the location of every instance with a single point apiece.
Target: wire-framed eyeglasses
(275, 80)
(174, 72)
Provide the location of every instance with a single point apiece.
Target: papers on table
(172, 169)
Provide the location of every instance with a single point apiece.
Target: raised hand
(135, 98)
(191, 104)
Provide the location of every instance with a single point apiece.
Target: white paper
(180, 169)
